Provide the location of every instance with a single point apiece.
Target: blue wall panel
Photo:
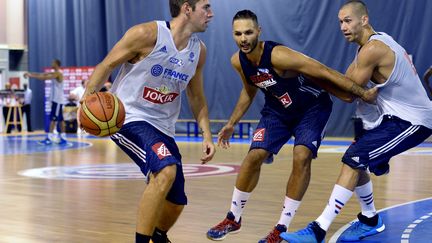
(81, 32)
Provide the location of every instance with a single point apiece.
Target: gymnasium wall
(81, 32)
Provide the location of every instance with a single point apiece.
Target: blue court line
(29, 144)
(407, 222)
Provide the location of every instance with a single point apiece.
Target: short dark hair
(359, 7)
(57, 61)
(175, 6)
(246, 14)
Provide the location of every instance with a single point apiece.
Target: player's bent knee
(165, 177)
(256, 156)
(302, 156)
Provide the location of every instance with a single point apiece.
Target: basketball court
(88, 190)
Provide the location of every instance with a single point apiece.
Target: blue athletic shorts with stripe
(273, 132)
(152, 150)
(375, 147)
(56, 112)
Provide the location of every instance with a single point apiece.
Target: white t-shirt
(402, 95)
(151, 88)
(78, 92)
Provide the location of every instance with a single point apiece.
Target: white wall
(15, 24)
(3, 40)
(13, 27)
(13, 34)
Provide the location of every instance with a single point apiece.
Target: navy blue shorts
(375, 147)
(56, 112)
(152, 151)
(273, 132)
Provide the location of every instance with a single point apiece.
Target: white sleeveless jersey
(402, 95)
(57, 91)
(151, 88)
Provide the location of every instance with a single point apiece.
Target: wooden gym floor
(87, 191)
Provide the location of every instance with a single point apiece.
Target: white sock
(339, 197)
(51, 136)
(289, 210)
(238, 202)
(365, 197)
(63, 135)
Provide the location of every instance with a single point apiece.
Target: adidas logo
(163, 49)
(314, 143)
(356, 159)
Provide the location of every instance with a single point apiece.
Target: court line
(338, 233)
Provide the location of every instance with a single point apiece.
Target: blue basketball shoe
(46, 141)
(227, 226)
(62, 141)
(311, 234)
(361, 229)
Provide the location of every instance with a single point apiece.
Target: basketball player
(398, 121)
(57, 99)
(294, 106)
(160, 59)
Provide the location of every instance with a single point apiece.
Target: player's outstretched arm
(334, 89)
(44, 76)
(245, 99)
(198, 103)
(285, 58)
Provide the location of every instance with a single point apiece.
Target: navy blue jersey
(286, 97)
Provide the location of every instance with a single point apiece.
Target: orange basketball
(101, 114)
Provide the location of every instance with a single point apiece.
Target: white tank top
(402, 95)
(57, 92)
(151, 88)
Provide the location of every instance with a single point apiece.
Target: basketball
(101, 114)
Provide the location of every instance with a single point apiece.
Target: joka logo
(156, 70)
(285, 100)
(161, 150)
(259, 135)
(159, 97)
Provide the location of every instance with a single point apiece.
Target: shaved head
(358, 7)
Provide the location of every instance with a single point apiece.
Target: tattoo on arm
(357, 90)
